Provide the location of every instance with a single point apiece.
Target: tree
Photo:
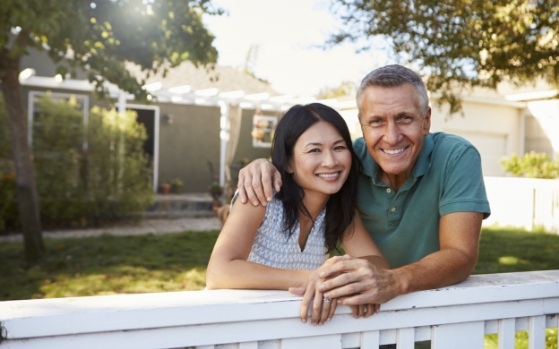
(98, 37)
(460, 43)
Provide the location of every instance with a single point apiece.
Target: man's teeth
(393, 151)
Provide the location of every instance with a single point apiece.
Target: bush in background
(531, 165)
(87, 173)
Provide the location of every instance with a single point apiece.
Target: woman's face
(321, 160)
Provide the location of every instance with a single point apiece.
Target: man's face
(393, 128)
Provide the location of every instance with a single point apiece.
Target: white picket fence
(453, 317)
(523, 202)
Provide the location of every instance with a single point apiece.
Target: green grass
(512, 250)
(175, 262)
(107, 265)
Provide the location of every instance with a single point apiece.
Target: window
(263, 128)
(81, 102)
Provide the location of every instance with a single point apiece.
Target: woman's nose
(330, 158)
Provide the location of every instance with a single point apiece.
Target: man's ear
(427, 121)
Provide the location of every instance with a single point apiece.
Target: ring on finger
(365, 309)
(326, 300)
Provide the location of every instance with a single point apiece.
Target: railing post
(506, 333)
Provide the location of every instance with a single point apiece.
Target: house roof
(185, 84)
(224, 78)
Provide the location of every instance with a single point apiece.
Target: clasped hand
(340, 280)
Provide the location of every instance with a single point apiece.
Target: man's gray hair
(394, 75)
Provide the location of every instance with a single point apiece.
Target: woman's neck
(314, 203)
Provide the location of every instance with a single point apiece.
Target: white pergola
(187, 95)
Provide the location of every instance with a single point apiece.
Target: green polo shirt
(446, 178)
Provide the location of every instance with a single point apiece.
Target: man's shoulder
(360, 149)
(448, 142)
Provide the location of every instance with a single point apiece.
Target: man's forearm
(439, 269)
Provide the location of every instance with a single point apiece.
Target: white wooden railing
(453, 317)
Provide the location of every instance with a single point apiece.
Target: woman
(284, 244)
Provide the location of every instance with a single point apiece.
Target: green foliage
(459, 42)
(85, 175)
(177, 186)
(532, 165)
(521, 340)
(103, 35)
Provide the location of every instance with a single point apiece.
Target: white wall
(495, 127)
(545, 137)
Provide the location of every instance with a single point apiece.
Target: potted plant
(215, 190)
(165, 188)
(177, 185)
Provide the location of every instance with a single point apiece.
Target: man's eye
(405, 119)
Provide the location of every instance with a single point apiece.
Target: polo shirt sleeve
(463, 188)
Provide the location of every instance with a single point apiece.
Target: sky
(286, 34)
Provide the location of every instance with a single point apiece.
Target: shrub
(85, 173)
(532, 165)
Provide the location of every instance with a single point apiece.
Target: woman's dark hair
(340, 207)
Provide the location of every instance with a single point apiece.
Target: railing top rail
(64, 316)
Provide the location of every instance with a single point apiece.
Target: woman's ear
(288, 168)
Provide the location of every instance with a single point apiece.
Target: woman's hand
(322, 309)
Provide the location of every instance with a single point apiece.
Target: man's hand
(256, 180)
(321, 307)
(356, 281)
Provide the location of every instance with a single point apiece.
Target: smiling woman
(286, 243)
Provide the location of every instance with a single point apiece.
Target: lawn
(173, 262)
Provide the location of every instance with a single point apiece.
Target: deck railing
(452, 317)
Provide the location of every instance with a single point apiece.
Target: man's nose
(392, 133)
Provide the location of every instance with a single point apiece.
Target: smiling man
(421, 195)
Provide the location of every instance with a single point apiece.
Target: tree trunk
(28, 202)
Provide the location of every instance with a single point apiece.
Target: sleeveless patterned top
(274, 247)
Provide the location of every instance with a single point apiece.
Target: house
(201, 129)
(190, 121)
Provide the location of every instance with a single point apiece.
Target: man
(421, 195)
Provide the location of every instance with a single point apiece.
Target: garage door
(492, 148)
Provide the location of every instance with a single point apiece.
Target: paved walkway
(147, 226)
